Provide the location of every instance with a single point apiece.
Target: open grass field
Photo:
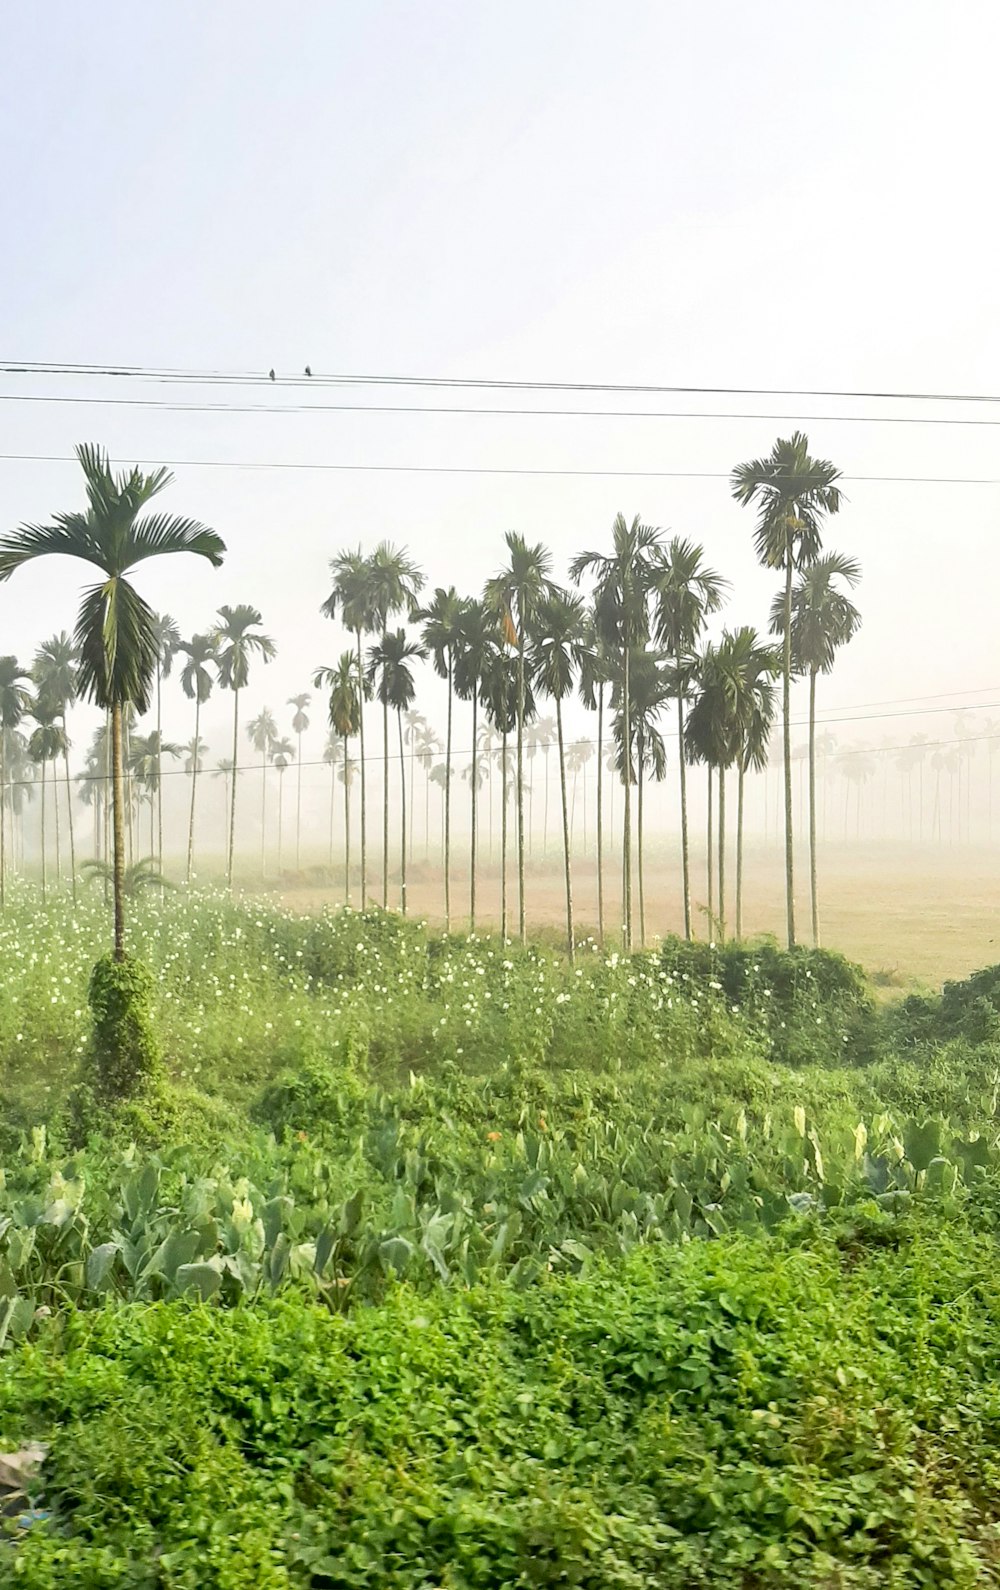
(919, 916)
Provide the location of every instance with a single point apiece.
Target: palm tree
(622, 621)
(556, 658)
(201, 652)
(351, 597)
(45, 745)
(392, 583)
(710, 739)
(441, 621)
(500, 699)
(262, 732)
(15, 701)
(300, 723)
(390, 678)
(115, 631)
(475, 643)
(514, 595)
(685, 592)
(281, 753)
(823, 619)
(146, 753)
(793, 493)
(238, 639)
(595, 675)
(167, 641)
(650, 688)
(54, 672)
(345, 722)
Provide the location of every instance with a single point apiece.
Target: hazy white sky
(654, 191)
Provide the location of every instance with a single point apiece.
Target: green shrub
(123, 1060)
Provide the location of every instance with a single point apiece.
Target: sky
(677, 194)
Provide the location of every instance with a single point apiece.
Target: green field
(439, 1262)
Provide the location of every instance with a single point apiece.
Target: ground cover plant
(425, 1260)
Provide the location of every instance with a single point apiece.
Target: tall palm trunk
(263, 812)
(682, 772)
(640, 791)
(813, 886)
(385, 805)
(475, 809)
(565, 822)
(118, 827)
(298, 807)
(722, 855)
(69, 810)
(3, 818)
(711, 860)
(194, 786)
(627, 832)
(503, 836)
(786, 712)
(347, 830)
(402, 812)
(600, 815)
(520, 789)
(159, 773)
(447, 800)
(43, 831)
(364, 795)
(109, 785)
(739, 850)
(232, 797)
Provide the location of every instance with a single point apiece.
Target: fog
(684, 196)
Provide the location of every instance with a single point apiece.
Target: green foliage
(124, 1057)
(968, 1010)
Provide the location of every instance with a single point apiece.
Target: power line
(469, 469)
(170, 406)
(250, 377)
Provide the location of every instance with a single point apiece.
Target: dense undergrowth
(437, 1262)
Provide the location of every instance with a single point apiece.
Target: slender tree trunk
(364, 799)
(627, 831)
(447, 799)
(722, 855)
(232, 797)
(565, 820)
(69, 810)
(741, 778)
(600, 815)
(43, 831)
(109, 784)
(475, 809)
(347, 829)
(503, 836)
(402, 800)
(159, 771)
(813, 873)
(640, 784)
(786, 687)
(385, 805)
(263, 813)
(298, 809)
(194, 784)
(3, 818)
(118, 827)
(520, 789)
(682, 773)
(711, 861)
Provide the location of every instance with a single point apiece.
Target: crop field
(440, 1262)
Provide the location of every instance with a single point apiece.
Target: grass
(438, 1262)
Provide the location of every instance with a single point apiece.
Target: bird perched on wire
(271, 374)
(308, 371)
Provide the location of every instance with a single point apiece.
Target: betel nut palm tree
(238, 639)
(621, 616)
(514, 595)
(793, 493)
(441, 627)
(390, 679)
(201, 655)
(684, 595)
(345, 722)
(115, 631)
(555, 660)
(477, 639)
(351, 598)
(823, 619)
